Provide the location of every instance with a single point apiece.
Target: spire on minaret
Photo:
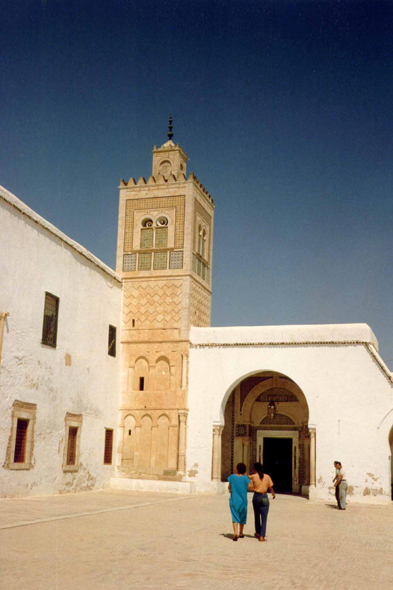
(170, 127)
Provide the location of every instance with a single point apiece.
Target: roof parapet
(160, 179)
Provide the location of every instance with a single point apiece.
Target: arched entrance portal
(266, 420)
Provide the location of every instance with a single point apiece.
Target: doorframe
(294, 435)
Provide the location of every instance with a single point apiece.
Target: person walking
(238, 484)
(260, 483)
(341, 485)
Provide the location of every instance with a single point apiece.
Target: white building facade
(331, 396)
(59, 386)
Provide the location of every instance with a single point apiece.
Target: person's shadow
(230, 536)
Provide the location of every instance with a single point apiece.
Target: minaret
(164, 255)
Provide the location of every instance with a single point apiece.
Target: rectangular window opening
(108, 446)
(51, 313)
(141, 383)
(71, 449)
(21, 440)
(112, 341)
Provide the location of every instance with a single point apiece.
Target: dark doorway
(277, 462)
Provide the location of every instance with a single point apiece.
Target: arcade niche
(266, 420)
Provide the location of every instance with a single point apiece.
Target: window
(202, 237)
(154, 234)
(112, 341)
(19, 453)
(21, 440)
(108, 446)
(51, 312)
(141, 383)
(200, 268)
(73, 425)
(71, 447)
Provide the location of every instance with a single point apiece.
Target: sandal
(234, 538)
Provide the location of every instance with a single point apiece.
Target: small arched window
(141, 375)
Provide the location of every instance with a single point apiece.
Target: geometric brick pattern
(154, 203)
(200, 304)
(153, 304)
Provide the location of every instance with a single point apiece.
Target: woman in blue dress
(238, 483)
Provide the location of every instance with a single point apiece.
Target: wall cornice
(369, 347)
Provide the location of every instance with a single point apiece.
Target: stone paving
(120, 539)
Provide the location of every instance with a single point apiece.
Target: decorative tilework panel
(160, 261)
(161, 237)
(147, 238)
(129, 262)
(154, 203)
(176, 260)
(144, 261)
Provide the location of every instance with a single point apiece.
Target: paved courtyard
(117, 539)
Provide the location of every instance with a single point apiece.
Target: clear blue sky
(284, 109)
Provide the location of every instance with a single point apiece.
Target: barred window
(19, 453)
(108, 446)
(129, 262)
(176, 260)
(20, 440)
(73, 424)
(112, 341)
(71, 448)
(51, 313)
(147, 236)
(160, 261)
(144, 261)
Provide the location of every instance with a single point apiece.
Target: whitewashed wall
(347, 386)
(35, 257)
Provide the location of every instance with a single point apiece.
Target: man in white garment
(341, 485)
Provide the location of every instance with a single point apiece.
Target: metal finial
(170, 127)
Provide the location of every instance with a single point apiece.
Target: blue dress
(238, 499)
